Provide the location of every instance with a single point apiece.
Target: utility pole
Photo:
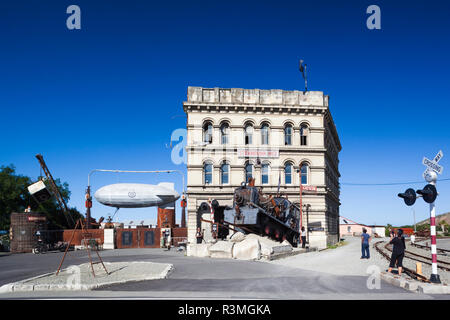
(301, 206)
(431, 178)
(308, 206)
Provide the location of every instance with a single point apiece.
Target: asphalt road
(202, 278)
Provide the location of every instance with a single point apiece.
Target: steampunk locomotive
(255, 212)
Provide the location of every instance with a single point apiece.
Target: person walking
(199, 236)
(398, 251)
(365, 244)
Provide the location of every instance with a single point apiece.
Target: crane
(55, 190)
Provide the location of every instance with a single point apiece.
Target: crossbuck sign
(432, 165)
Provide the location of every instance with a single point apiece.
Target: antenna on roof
(302, 68)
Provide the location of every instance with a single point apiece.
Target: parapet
(256, 96)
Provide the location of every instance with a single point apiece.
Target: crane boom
(55, 190)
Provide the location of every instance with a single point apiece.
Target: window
(149, 238)
(265, 133)
(207, 173)
(248, 171)
(224, 133)
(349, 229)
(127, 238)
(207, 132)
(224, 173)
(304, 135)
(248, 134)
(288, 173)
(304, 173)
(265, 173)
(288, 135)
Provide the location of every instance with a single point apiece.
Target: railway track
(439, 251)
(408, 271)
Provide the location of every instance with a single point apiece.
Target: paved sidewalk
(343, 260)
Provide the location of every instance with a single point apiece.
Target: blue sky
(110, 95)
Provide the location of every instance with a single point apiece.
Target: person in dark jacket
(398, 251)
(199, 236)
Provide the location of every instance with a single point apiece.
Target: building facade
(356, 230)
(277, 137)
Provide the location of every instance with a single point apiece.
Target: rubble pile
(242, 247)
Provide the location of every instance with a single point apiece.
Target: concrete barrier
(198, 250)
(221, 249)
(248, 249)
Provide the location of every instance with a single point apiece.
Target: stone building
(277, 137)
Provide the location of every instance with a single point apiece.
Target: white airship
(136, 195)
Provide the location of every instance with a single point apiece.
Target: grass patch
(337, 245)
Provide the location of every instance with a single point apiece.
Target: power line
(387, 184)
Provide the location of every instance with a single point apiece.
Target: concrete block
(23, 287)
(7, 288)
(430, 288)
(221, 249)
(57, 287)
(269, 247)
(237, 237)
(41, 287)
(198, 250)
(411, 285)
(248, 249)
(392, 279)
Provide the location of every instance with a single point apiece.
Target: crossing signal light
(429, 193)
(409, 196)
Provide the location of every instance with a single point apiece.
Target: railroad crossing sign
(432, 165)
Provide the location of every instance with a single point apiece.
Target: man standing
(303, 234)
(413, 238)
(365, 240)
(199, 236)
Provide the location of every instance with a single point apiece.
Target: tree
(443, 226)
(12, 194)
(14, 197)
(387, 230)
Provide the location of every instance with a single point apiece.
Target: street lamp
(299, 170)
(308, 207)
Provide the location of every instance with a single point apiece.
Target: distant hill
(439, 218)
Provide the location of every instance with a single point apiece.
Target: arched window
(224, 173)
(288, 135)
(207, 132)
(207, 173)
(304, 135)
(265, 173)
(248, 171)
(304, 168)
(248, 134)
(288, 173)
(265, 133)
(224, 133)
